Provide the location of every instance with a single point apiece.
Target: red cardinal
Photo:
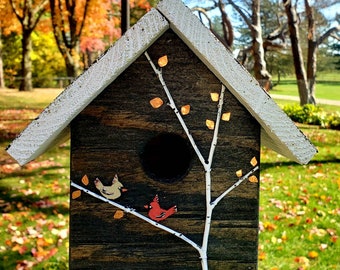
(157, 213)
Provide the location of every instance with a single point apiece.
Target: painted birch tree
(210, 202)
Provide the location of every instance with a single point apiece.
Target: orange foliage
(8, 21)
(102, 23)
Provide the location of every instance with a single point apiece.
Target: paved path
(318, 100)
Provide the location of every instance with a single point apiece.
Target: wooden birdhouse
(166, 129)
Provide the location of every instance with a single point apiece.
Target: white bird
(111, 192)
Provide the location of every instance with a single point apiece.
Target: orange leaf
(253, 179)
(156, 102)
(185, 109)
(76, 194)
(85, 180)
(262, 256)
(118, 214)
(163, 61)
(313, 254)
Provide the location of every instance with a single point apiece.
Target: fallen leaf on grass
(9, 168)
(23, 265)
(41, 254)
(262, 256)
(313, 254)
(323, 246)
(302, 260)
(33, 165)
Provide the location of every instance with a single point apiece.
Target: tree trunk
(2, 79)
(26, 63)
(228, 32)
(125, 15)
(72, 62)
(260, 67)
(293, 24)
(312, 53)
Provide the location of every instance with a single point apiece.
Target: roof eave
(52, 123)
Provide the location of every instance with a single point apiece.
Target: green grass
(300, 211)
(299, 205)
(327, 87)
(38, 99)
(34, 199)
(323, 91)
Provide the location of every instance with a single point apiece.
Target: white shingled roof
(278, 132)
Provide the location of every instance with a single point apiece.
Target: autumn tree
(2, 79)
(28, 12)
(101, 29)
(68, 18)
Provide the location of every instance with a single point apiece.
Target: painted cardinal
(111, 192)
(156, 212)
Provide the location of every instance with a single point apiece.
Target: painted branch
(174, 108)
(217, 125)
(219, 198)
(209, 209)
(207, 166)
(136, 214)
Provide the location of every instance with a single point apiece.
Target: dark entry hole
(166, 157)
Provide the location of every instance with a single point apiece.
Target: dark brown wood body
(107, 138)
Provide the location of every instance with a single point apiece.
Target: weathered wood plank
(108, 137)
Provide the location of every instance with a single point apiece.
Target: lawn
(323, 91)
(299, 205)
(327, 87)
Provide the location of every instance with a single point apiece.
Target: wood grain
(107, 138)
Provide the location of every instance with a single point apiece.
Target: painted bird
(111, 192)
(157, 213)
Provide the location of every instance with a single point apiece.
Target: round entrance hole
(166, 157)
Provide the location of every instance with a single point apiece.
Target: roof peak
(278, 131)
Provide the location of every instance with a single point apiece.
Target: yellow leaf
(253, 179)
(214, 96)
(185, 109)
(85, 180)
(76, 194)
(210, 124)
(163, 61)
(156, 102)
(313, 254)
(226, 116)
(261, 256)
(118, 214)
(239, 173)
(253, 161)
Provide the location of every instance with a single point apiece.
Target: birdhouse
(166, 129)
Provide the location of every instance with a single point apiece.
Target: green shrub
(333, 121)
(312, 115)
